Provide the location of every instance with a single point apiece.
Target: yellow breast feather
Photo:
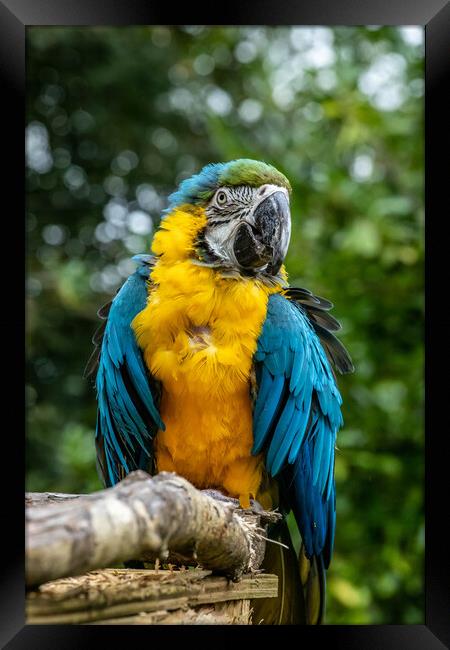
(198, 334)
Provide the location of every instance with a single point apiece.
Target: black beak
(267, 240)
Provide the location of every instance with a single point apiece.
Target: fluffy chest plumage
(199, 331)
(198, 334)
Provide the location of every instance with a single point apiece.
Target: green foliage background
(116, 117)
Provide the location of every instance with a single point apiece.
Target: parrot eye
(221, 198)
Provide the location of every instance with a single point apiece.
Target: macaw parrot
(210, 365)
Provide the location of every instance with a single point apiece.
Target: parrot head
(248, 222)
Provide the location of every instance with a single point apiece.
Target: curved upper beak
(263, 238)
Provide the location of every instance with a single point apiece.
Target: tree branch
(132, 596)
(141, 517)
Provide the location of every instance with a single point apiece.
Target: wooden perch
(141, 517)
(147, 597)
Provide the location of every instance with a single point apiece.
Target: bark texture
(141, 517)
(147, 597)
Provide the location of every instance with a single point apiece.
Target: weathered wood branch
(141, 517)
(133, 597)
(46, 498)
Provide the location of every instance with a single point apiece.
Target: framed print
(338, 115)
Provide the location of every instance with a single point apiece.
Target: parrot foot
(250, 504)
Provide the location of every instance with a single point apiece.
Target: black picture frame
(434, 15)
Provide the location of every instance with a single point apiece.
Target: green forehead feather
(253, 173)
(199, 188)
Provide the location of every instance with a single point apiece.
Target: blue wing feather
(128, 416)
(265, 412)
(296, 369)
(281, 440)
(296, 418)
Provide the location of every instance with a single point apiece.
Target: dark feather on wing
(324, 324)
(306, 297)
(97, 339)
(318, 315)
(334, 349)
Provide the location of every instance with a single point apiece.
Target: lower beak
(265, 242)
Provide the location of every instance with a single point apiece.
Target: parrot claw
(253, 505)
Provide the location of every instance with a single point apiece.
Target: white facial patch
(227, 212)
